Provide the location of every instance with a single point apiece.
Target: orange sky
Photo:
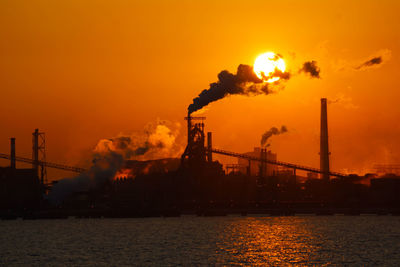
(85, 70)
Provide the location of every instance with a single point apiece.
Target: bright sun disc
(266, 64)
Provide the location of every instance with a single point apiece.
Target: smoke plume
(271, 132)
(371, 62)
(311, 68)
(378, 59)
(244, 82)
(109, 157)
(157, 141)
(343, 100)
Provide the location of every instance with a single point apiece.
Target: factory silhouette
(197, 184)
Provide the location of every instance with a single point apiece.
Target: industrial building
(197, 183)
(20, 189)
(254, 168)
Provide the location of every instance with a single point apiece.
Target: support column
(12, 154)
(35, 151)
(209, 147)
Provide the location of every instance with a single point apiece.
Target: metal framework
(39, 154)
(45, 164)
(195, 152)
(275, 162)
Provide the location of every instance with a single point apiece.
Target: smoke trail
(379, 58)
(373, 61)
(370, 63)
(271, 132)
(109, 157)
(311, 68)
(343, 100)
(244, 82)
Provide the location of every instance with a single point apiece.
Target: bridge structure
(213, 150)
(275, 162)
(45, 163)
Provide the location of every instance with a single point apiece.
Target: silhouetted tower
(189, 129)
(324, 147)
(195, 152)
(209, 147)
(12, 154)
(39, 155)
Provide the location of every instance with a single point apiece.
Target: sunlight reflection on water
(337, 240)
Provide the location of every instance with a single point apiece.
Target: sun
(265, 65)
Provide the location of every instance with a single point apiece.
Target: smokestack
(35, 151)
(189, 129)
(324, 148)
(209, 146)
(12, 154)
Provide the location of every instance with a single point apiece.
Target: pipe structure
(35, 151)
(12, 154)
(189, 129)
(324, 146)
(275, 162)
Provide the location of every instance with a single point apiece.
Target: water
(297, 240)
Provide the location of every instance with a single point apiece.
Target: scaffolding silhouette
(39, 155)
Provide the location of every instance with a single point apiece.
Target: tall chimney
(189, 129)
(324, 147)
(12, 154)
(209, 146)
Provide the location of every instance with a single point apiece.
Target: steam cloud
(158, 141)
(271, 132)
(109, 157)
(244, 82)
(311, 68)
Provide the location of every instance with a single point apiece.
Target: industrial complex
(197, 184)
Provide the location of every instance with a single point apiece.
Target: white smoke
(157, 141)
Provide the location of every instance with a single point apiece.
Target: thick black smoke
(371, 62)
(271, 132)
(244, 82)
(311, 68)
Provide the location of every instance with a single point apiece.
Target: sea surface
(190, 240)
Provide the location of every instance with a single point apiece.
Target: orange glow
(266, 64)
(123, 174)
(83, 71)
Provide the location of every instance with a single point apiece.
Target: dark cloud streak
(370, 63)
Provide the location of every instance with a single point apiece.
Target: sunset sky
(86, 70)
